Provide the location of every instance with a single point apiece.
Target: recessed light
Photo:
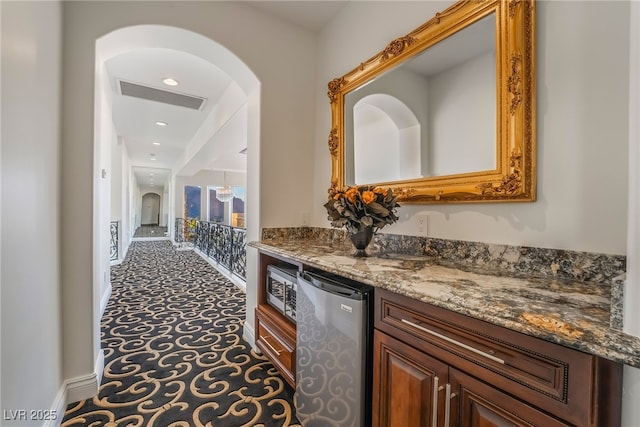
(170, 82)
(150, 174)
(156, 143)
(161, 123)
(153, 158)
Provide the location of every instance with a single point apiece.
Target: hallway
(174, 353)
(150, 231)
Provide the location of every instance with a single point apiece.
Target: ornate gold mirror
(446, 113)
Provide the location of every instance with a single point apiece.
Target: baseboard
(249, 335)
(58, 407)
(85, 386)
(105, 299)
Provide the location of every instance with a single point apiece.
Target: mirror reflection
(433, 115)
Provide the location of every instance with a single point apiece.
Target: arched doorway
(150, 209)
(130, 39)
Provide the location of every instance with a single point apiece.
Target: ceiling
(162, 148)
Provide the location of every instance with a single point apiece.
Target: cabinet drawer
(539, 372)
(279, 347)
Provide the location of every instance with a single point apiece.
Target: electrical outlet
(422, 224)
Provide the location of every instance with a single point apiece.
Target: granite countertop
(572, 313)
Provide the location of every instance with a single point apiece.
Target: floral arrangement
(359, 207)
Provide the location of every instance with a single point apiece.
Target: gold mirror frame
(514, 178)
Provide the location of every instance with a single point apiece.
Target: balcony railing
(225, 244)
(113, 241)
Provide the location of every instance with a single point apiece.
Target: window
(192, 202)
(216, 207)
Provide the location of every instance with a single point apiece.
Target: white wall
(631, 384)
(582, 126)
(31, 369)
(466, 93)
(582, 102)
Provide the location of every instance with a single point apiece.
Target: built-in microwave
(282, 284)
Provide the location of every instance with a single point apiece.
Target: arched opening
(387, 140)
(238, 106)
(150, 209)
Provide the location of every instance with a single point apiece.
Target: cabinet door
(477, 404)
(406, 385)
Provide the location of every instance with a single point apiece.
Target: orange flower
(380, 190)
(368, 197)
(351, 194)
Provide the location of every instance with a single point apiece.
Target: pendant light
(224, 194)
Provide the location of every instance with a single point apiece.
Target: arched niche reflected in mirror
(445, 113)
(388, 134)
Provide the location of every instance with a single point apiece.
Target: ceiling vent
(159, 95)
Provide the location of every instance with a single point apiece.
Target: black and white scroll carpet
(174, 353)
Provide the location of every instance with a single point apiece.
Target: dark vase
(361, 240)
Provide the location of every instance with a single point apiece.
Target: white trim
(249, 335)
(58, 407)
(631, 315)
(105, 299)
(85, 386)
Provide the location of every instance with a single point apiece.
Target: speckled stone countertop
(572, 313)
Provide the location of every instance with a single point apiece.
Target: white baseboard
(105, 299)
(58, 407)
(85, 386)
(249, 335)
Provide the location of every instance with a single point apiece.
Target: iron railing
(113, 241)
(225, 244)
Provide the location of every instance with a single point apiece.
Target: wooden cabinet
(275, 330)
(436, 368)
(405, 379)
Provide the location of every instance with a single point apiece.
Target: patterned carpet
(150, 231)
(174, 353)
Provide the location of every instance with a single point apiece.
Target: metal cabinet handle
(447, 405)
(264, 338)
(434, 404)
(452, 341)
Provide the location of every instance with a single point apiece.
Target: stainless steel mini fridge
(334, 327)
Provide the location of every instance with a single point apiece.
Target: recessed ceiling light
(153, 158)
(150, 174)
(170, 82)
(161, 123)
(156, 143)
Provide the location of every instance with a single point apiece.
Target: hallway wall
(31, 347)
(582, 132)
(582, 125)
